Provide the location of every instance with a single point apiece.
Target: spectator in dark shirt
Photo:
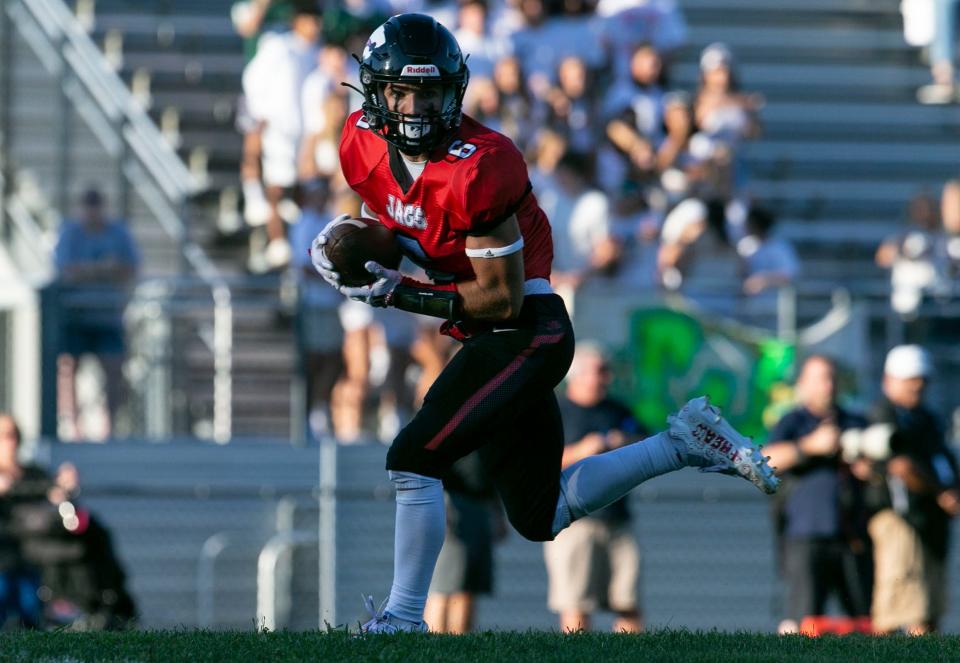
(595, 563)
(913, 494)
(57, 563)
(20, 487)
(819, 520)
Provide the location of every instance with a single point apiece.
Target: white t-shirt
(578, 229)
(273, 81)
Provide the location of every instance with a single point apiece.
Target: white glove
(377, 293)
(320, 261)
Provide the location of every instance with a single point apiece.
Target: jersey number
(461, 150)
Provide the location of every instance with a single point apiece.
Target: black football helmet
(413, 49)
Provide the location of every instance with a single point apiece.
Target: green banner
(672, 356)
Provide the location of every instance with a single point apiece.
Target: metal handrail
(267, 573)
(88, 65)
(19, 214)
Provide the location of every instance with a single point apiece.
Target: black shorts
(466, 559)
(816, 568)
(496, 395)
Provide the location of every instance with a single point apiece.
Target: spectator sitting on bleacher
(583, 239)
(272, 86)
(519, 112)
(633, 112)
(572, 107)
(627, 23)
(768, 262)
(476, 40)
(721, 111)
(724, 117)
(910, 256)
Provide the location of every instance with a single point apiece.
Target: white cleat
(383, 622)
(714, 446)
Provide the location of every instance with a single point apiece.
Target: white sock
(597, 481)
(419, 531)
(253, 192)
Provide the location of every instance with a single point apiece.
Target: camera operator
(57, 565)
(820, 520)
(912, 493)
(21, 486)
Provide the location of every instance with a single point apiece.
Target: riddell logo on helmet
(420, 70)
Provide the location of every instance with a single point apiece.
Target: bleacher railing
(146, 162)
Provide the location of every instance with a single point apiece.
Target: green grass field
(594, 648)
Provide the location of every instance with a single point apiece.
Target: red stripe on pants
(485, 390)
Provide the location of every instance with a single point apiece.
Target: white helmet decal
(377, 38)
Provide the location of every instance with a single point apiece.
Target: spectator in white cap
(912, 495)
(720, 109)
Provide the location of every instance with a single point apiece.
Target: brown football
(352, 243)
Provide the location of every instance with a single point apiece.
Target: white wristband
(495, 251)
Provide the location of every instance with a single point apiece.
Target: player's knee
(406, 456)
(532, 529)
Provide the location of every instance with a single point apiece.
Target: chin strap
(433, 299)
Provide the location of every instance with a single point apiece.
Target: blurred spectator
(595, 563)
(820, 520)
(692, 232)
(911, 256)
(396, 394)
(768, 262)
(350, 394)
(476, 39)
(57, 566)
(519, 113)
(544, 40)
(938, 30)
(320, 333)
(641, 95)
(634, 112)
(912, 492)
(97, 262)
(326, 105)
(950, 241)
(627, 23)
(20, 485)
(252, 18)
(724, 117)
(572, 107)
(272, 86)
(465, 568)
(722, 112)
(348, 23)
(583, 240)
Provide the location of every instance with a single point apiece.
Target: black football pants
(496, 395)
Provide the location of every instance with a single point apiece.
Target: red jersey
(476, 184)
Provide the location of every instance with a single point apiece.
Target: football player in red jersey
(458, 197)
